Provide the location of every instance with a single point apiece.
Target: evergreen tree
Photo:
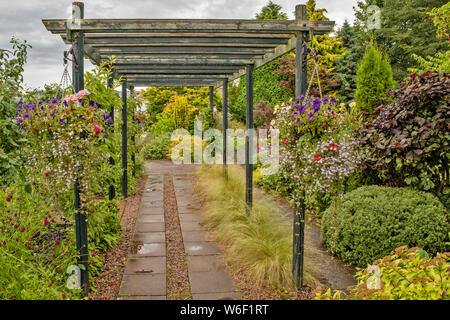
(347, 65)
(374, 78)
(271, 11)
(406, 29)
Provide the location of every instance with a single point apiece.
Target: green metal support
(112, 189)
(80, 216)
(133, 138)
(249, 141)
(124, 141)
(211, 102)
(225, 125)
(299, 196)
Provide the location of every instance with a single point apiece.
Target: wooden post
(249, 140)
(133, 138)
(78, 85)
(299, 196)
(112, 189)
(225, 125)
(124, 141)
(211, 103)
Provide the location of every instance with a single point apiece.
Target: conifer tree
(374, 78)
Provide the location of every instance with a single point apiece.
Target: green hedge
(371, 221)
(265, 87)
(157, 148)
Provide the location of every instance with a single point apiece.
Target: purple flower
(19, 106)
(91, 103)
(98, 105)
(310, 116)
(301, 109)
(333, 99)
(325, 100)
(53, 113)
(26, 116)
(300, 97)
(54, 101)
(62, 121)
(65, 103)
(18, 120)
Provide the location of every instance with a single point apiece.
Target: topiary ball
(371, 221)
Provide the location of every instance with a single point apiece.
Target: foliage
(165, 123)
(374, 78)
(406, 29)
(12, 140)
(441, 19)
(408, 140)
(265, 87)
(157, 148)
(183, 112)
(369, 222)
(406, 274)
(104, 224)
(271, 11)
(262, 115)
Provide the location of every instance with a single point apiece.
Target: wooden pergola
(189, 52)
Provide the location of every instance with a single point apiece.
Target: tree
(328, 49)
(347, 65)
(374, 78)
(271, 11)
(406, 29)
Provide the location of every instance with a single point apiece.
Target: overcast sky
(22, 18)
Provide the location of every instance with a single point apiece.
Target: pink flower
(82, 93)
(283, 141)
(56, 241)
(22, 229)
(317, 159)
(97, 128)
(46, 173)
(46, 222)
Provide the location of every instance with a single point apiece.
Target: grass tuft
(260, 243)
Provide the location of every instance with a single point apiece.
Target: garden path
(145, 276)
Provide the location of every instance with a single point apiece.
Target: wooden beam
(173, 77)
(189, 26)
(209, 56)
(185, 61)
(179, 49)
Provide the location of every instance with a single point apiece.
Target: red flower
(33, 183)
(16, 226)
(22, 229)
(318, 158)
(46, 222)
(283, 141)
(323, 124)
(397, 144)
(46, 174)
(63, 296)
(92, 254)
(57, 241)
(56, 194)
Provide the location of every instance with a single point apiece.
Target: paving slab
(206, 263)
(150, 219)
(190, 217)
(217, 296)
(201, 248)
(148, 250)
(148, 265)
(151, 211)
(150, 227)
(191, 226)
(143, 285)
(191, 236)
(211, 282)
(150, 237)
(142, 298)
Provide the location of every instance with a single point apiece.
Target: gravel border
(178, 286)
(107, 284)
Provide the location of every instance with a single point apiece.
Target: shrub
(369, 222)
(374, 78)
(406, 274)
(164, 124)
(409, 138)
(158, 148)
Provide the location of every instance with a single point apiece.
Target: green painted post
(299, 197)
(78, 84)
(225, 125)
(124, 141)
(133, 138)
(249, 140)
(211, 103)
(112, 189)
